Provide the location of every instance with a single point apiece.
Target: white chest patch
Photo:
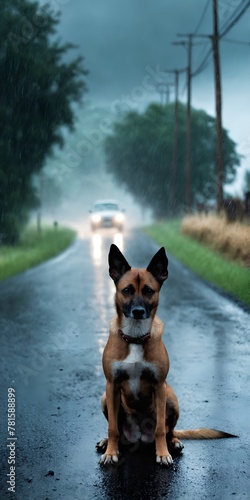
(133, 366)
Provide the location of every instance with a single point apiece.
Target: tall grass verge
(233, 240)
(230, 276)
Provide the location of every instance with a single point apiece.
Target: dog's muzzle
(138, 312)
(136, 309)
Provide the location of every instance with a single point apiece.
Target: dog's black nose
(139, 312)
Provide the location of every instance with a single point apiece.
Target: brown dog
(138, 403)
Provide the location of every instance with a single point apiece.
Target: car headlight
(96, 218)
(119, 218)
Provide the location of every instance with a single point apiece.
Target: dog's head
(137, 290)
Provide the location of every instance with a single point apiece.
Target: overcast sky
(128, 43)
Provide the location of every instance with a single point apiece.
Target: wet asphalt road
(54, 325)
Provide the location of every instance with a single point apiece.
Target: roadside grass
(230, 276)
(33, 249)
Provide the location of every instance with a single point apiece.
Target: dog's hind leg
(104, 405)
(101, 446)
(172, 415)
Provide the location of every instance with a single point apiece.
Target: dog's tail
(202, 433)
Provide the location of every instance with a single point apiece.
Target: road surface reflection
(104, 289)
(98, 246)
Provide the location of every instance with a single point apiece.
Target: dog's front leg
(163, 456)
(113, 403)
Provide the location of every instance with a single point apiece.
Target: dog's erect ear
(117, 263)
(158, 266)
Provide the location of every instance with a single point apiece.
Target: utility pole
(161, 90)
(164, 89)
(188, 131)
(215, 37)
(218, 100)
(189, 45)
(176, 72)
(175, 143)
(168, 90)
(219, 153)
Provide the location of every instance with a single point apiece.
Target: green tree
(38, 88)
(139, 154)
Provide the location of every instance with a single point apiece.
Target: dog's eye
(148, 291)
(128, 290)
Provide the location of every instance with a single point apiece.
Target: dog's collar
(134, 340)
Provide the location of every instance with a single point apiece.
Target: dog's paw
(109, 459)
(176, 446)
(164, 460)
(101, 446)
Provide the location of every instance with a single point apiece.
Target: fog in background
(126, 44)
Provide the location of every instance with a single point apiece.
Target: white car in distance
(106, 213)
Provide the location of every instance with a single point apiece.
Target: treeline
(37, 91)
(139, 153)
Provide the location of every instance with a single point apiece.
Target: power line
(235, 20)
(202, 54)
(215, 38)
(203, 64)
(243, 5)
(231, 21)
(214, 49)
(240, 42)
(202, 17)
